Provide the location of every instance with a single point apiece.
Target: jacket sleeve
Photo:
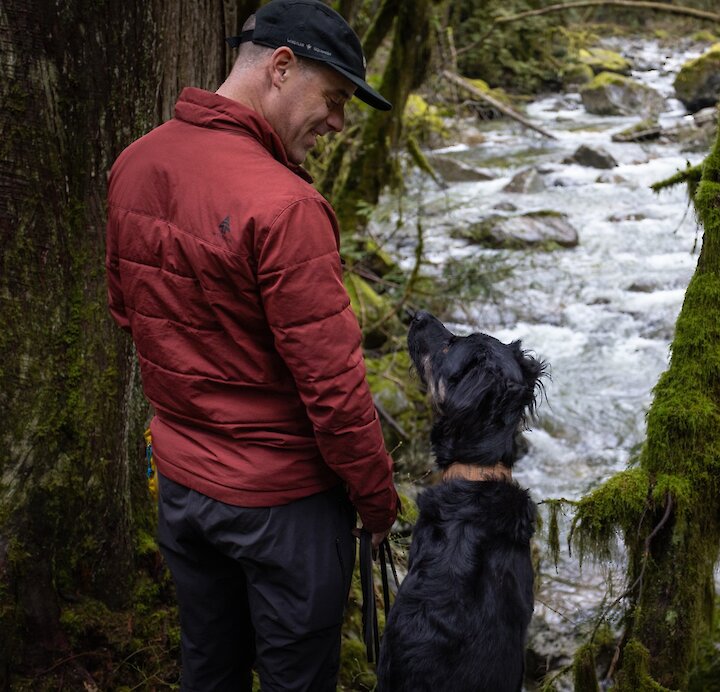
(318, 337)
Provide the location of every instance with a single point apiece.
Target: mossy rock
(574, 73)
(453, 171)
(423, 120)
(546, 230)
(485, 110)
(613, 94)
(697, 84)
(603, 60)
(704, 36)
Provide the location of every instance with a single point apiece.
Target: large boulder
(592, 158)
(526, 181)
(697, 84)
(453, 171)
(613, 94)
(540, 229)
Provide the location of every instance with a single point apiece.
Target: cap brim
(364, 91)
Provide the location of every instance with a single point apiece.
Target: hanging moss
(555, 507)
(421, 160)
(584, 675)
(691, 176)
(634, 676)
(613, 508)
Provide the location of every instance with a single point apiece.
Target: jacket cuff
(379, 511)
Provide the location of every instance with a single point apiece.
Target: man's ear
(282, 64)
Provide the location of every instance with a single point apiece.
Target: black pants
(263, 587)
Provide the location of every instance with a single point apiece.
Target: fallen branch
(506, 110)
(383, 412)
(638, 4)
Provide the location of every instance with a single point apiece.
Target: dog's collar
(473, 472)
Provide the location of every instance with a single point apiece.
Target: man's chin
(297, 158)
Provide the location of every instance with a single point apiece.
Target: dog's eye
(447, 346)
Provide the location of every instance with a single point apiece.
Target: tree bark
(81, 80)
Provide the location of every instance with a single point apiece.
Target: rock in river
(613, 94)
(540, 229)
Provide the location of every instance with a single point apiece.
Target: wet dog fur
(461, 614)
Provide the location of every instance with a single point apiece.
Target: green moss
(604, 60)
(553, 530)
(612, 508)
(604, 79)
(635, 676)
(405, 415)
(423, 121)
(421, 160)
(409, 512)
(576, 73)
(704, 36)
(646, 128)
(691, 176)
(584, 675)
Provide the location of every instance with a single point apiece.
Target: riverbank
(602, 313)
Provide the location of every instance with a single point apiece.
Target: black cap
(314, 30)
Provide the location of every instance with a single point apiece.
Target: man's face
(312, 104)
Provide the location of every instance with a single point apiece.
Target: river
(602, 314)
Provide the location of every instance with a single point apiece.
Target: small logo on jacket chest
(224, 226)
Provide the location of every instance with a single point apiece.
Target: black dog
(460, 618)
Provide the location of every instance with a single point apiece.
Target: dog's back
(459, 621)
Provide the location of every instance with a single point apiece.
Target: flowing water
(602, 314)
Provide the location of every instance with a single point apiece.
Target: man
(223, 264)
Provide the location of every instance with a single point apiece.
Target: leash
(371, 635)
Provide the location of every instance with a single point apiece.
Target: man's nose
(336, 118)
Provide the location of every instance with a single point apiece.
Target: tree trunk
(368, 171)
(675, 604)
(81, 80)
(669, 506)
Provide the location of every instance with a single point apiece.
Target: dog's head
(482, 391)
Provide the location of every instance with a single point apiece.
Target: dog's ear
(468, 394)
(533, 370)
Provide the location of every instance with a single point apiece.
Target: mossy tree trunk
(669, 506)
(81, 80)
(367, 168)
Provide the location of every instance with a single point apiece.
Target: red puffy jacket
(222, 261)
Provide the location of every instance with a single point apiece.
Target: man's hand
(377, 539)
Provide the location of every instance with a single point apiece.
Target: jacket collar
(206, 109)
